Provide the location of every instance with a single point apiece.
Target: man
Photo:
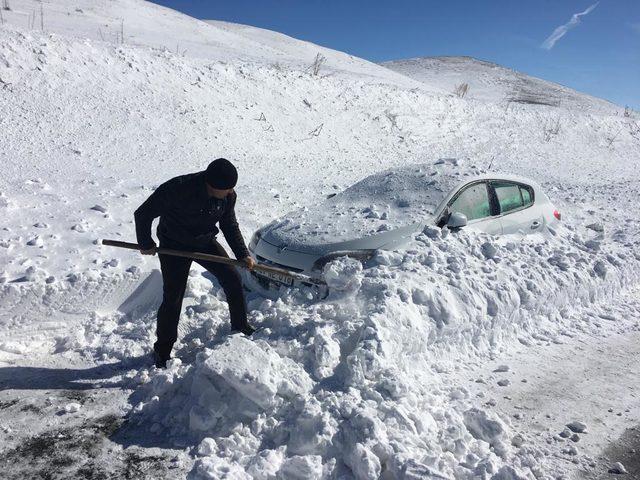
(189, 206)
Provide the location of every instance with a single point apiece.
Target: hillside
(147, 24)
(395, 376)
(489, 82)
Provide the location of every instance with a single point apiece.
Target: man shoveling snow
(189, 207)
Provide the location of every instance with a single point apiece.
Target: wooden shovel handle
(217, 259)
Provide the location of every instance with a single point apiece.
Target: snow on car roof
(381, 202)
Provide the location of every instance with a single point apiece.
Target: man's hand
(250, 262)
(149, 251)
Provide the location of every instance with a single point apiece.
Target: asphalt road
(625, 450)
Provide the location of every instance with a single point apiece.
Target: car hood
(282, 237)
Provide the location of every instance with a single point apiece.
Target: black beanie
(221, 174)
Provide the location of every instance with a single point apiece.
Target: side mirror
(457, 220)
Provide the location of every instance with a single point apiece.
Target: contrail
(560, 32)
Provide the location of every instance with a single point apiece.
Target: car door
(516, 205)
(476, 203)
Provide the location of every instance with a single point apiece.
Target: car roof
(508, 177)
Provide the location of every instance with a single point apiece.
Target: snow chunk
(482, 427)
(596, 227)
(566, 433)
(72, 407)
(266, 464)
(257, 372)
(600, 269)
(308, 467)
(215, 468)
(363, 462)
(35, 241)
(507, 473)
(618, 469)
(207, 447)
(343, 274)
(99, 208)
(326, 353)
(577, 427)
(489, 250)
(432, 232)
(14, 347)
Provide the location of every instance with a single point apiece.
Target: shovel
(227, 261)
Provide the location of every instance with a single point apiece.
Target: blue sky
(600, 55)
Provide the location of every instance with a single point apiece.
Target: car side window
(473, 201)
(527, 195)
(509, 196)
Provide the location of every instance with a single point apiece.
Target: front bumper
(280, 257)
(269, 254)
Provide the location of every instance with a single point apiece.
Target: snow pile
(357, 384)
(233, 383)
(365, 383)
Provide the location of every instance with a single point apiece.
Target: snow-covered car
(385, 210)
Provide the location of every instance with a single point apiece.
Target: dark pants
(175, 271)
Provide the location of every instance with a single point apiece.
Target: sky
(591, 46)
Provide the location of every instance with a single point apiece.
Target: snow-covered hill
(147, 24)
(371, 381)
(489, 82)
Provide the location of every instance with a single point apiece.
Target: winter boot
(160, 360)
(246, 329)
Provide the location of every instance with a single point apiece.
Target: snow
(488, 82)
(618, 468)
(382, 202)
(576, 426)
(343, 274)
(146, 24)
(396, 373)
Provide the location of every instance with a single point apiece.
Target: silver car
(387, 209)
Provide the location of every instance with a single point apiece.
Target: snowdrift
(365, 383)
(357, 384)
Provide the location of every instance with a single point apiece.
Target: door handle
(535, 225)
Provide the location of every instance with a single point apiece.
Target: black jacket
(188, 216)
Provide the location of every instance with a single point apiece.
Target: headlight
(362, 255)
(255, 238)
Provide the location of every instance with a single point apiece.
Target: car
(387, 209)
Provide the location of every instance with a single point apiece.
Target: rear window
(512, 196)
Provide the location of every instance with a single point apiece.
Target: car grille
(278, 265)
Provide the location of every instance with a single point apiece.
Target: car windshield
(381, 202)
